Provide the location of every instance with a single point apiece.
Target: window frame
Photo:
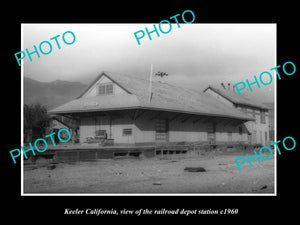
(112, 89)
(105, 89)
(127, 134)
(263, 117)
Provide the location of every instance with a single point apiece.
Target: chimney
(228, 86)
(223, 85)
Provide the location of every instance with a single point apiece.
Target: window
(263, 117)
(101, 133)
(253, 115)
(127, 132)
(101, 90)
(266, 136)
(229, 136)
(240, 130)
(105, 89)
(249, 111)
(109, 89)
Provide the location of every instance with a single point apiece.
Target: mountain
(51, 94)
(55, 93)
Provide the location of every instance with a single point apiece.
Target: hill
(51, 94)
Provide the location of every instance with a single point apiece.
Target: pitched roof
(236, 99)
(165, 97)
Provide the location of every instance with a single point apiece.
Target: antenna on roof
(161, 74)
(150, 84)
(223, 85)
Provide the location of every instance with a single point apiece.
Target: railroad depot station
(119, 114)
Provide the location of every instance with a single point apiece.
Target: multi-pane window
(127, 132)
(101, 90)
(263, 117)
(249, 111)
(109, 89)
(105, 89)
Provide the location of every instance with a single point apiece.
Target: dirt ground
(152, 175)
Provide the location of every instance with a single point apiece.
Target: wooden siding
(145, 129)
(114, 128)
(187, 131)
(257, 129)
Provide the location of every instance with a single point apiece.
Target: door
(211, 133)
(161, 130)
(249, 138)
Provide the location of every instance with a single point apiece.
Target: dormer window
(105, 89)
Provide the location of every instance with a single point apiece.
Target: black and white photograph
(149, 111)
(158, 117)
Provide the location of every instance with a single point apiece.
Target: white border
(275, 116)
(149, 194)
(22, 114)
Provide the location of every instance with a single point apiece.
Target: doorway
(211, 133)
(161, 130)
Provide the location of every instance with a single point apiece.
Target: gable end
(92, 85)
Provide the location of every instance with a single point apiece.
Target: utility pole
(150, 85)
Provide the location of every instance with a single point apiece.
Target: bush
(36, 119)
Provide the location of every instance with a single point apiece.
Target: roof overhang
(150, 108)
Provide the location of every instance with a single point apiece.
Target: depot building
(128, 110)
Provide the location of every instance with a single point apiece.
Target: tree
(36, 119)
(27, 117)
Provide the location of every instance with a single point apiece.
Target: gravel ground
(152, 175)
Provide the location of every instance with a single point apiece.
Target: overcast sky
(193, 55)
